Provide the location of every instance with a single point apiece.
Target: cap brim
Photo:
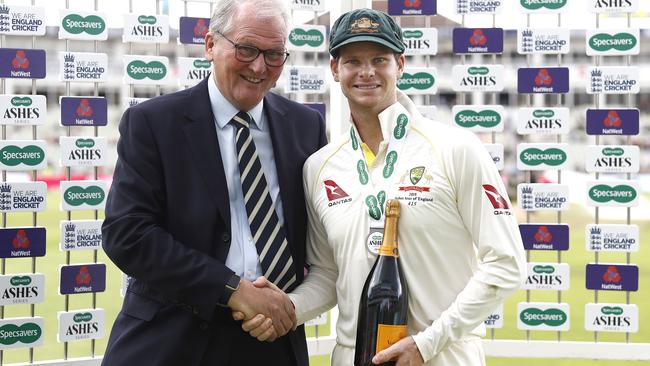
(381, 41)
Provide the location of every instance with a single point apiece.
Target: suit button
(195, 311)
(203, 326)
(225, 237)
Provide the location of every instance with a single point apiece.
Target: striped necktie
(268, 234)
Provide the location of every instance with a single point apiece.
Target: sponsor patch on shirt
(335, 194)
(500, 204)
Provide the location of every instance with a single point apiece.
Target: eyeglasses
(243, 53)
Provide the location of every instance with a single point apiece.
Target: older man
(207, 197)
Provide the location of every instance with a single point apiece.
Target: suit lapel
(201, 134)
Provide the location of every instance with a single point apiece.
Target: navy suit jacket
(168, 227)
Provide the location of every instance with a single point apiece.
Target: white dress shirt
(242, 257)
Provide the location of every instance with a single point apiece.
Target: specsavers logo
(419, 81)
(21, 101)
(29, 155)
(376, 205)
(481, 70)
(543, 113)
(153, 70)
(76, 24)
(604, 193)
(391, 160)
(85, 143)
(92, 195)
(26, 333)
(534, 156)
(363, 174)
(150, 20)
(202, 64)
(400, 126)
(20, 280)
(550, 317)
(412, 34)
(82, 317)
(486, 118)
(613, 151)
(301, 37)
(612, 310)
(538, 4)
(605, 42)
(543, 269)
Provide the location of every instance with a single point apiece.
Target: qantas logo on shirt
(335, 194)
(498, 202)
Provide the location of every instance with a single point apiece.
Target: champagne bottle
(383, 308)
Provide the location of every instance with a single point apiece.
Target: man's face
(368, 74)
(245, 84)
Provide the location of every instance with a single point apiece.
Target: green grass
(111, 301)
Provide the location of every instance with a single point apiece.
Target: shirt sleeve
(317, 293)
(485, 209)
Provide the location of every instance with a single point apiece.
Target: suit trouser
(244, 350)
(177, 338)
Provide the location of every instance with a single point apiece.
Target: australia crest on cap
(364, 25)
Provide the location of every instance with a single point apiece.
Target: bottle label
(387, 250)
(387, 335)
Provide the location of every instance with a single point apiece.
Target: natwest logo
(83, 277)
(21, 241)
(20, 61)
(84, 109)
(543, 235)
(543, 78)
(200, 28)
(412, 3)
(477, 38)
(612, 120)
(612, 277)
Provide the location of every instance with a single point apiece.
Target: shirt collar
(224, 111)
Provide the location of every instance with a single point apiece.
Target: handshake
(266, 310)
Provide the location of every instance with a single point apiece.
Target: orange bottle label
(387, 335)
(387, 250)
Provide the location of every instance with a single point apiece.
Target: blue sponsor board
(612, 121)
(320, 107)
(193, 30)
(82, 278)
(478, 40)
(412, 7)
(18, 242)
(545, 236)
(612, 277)
(22, 63)
(84, 111)
(543, 80)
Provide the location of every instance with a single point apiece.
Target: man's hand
(259, 326)
(264, 298)
(404, 353)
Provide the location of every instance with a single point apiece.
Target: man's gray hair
(225, 12)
